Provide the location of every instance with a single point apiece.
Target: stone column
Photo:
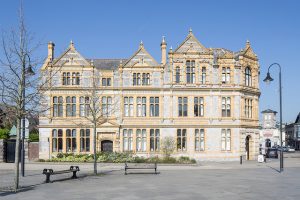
(2, 150)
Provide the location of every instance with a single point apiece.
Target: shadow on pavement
(274, 169)
(8, 191)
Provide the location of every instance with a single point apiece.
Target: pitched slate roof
(106, 64)
(298, 119)
(268, 111)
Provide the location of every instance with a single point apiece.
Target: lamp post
(25, 71)
(267, 80)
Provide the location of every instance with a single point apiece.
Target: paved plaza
(207, 180)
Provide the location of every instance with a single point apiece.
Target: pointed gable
(248, 51)
(71, 57)
(191, 44)
(141, 58)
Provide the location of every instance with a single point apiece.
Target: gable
(191, 44)
(141, 58)
(71, 57)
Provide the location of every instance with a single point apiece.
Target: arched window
(248, 77)
(54, 140)
(177, 76)
(64, 78)
(84, 140)
(77, 78)
(68, 78)
(127, 140)
(154, 139)
(59, 140)
(181, 140)
(71, 140)
(141, 139)
(73, 78)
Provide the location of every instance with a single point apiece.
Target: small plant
(4, 133)
(34, 136)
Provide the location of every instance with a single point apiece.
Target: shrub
(118, 157)
(34, 136)
(4, 133)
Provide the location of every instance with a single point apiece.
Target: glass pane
(157, 132)
(74, 133)
(151, 99)
(60, 133)
(138, 133)
(68, 133)
(87, 144)
(151, 132)
(54, 133)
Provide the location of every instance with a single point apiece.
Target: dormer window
(225, 74)
(106, 81)
(141, 79)
(71, 78)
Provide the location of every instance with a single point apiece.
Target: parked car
(283, 148)
(272, 153)
(291, 149)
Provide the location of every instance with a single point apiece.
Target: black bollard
(241, 160)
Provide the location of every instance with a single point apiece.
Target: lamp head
(268, 79)
(29, 71)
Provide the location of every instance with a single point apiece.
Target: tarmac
(205, 180)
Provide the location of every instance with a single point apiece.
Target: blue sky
(113, 29)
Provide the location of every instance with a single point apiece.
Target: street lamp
(30, 72)
(268, 79)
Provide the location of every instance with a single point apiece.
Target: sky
(114, 29)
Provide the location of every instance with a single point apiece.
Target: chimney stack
(163, 47)
(51, 50)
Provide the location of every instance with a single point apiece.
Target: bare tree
(18, 61)
(168, 145)
(96, 108)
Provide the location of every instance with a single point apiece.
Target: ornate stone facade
(206, 99)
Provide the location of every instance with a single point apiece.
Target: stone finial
(72, 44)
(171, 49)
(248, 43)
(163, 41)
(141, 44)
(190, 31)
(92, 62)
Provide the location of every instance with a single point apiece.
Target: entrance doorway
(247, 146)
(107, 146)
(268, 143)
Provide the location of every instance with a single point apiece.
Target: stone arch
(249, 147)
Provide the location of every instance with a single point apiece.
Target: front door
(106, 146)
(247, 147)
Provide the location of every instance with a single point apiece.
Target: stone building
(206, 99)
(292, 132)
(269, 133)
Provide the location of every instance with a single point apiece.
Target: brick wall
(33, 151)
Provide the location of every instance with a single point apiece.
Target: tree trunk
(17, 158)
(95, 149)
